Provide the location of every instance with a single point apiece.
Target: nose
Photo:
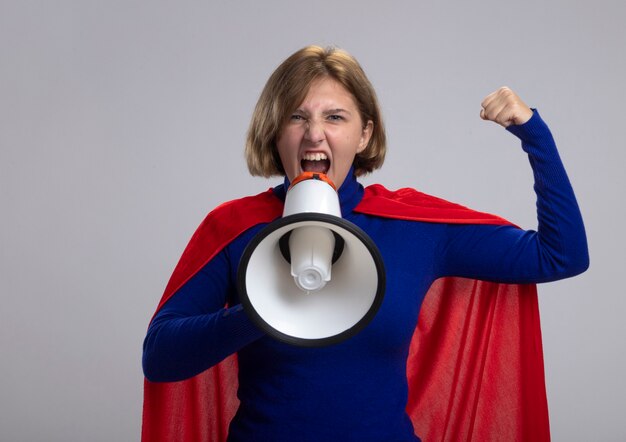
(314, 132)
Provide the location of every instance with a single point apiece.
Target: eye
(296, 117)
(335, 117)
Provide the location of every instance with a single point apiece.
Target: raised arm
(558, 249)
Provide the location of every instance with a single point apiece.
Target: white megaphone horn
(311, 278)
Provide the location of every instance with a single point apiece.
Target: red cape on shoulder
(475, 367)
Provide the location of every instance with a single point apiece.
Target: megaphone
(311, 278)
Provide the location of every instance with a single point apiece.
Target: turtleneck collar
(350, 192)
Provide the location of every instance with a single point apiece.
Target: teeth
(315, 156)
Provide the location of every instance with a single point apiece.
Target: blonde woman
(476, 370)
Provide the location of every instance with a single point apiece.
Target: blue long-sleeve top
(357, 389)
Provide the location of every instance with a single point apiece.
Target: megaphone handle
(283, 244)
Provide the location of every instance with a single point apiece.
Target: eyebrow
(336, 111)
(327, 112)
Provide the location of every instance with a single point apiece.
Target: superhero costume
(454, 388)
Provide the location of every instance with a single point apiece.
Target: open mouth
(315, 162)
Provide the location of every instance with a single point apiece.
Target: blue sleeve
(193, 330)
(557, 250)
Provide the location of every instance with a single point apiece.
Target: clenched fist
(505, 108)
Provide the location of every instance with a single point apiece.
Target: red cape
(475, 367)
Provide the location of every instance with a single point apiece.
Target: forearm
(193, 331)
(178, 348)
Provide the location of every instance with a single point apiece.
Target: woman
(318, 112)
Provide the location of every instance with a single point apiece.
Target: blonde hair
(286, 89)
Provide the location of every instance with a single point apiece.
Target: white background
(122, 123)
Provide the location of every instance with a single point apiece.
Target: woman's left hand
(505, 108)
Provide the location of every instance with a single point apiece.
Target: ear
(366, 135)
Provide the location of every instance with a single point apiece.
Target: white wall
(122, 124)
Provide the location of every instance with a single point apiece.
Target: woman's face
(324, 133)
